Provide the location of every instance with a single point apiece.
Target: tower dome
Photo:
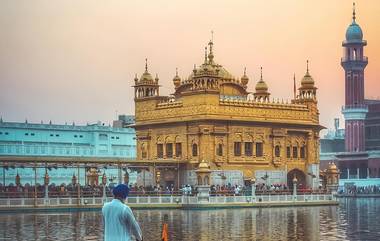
(261, 86)
(307, 81)
(146, 77)
(261, 93)
(354, 31)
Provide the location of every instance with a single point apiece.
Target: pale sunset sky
(75, 60)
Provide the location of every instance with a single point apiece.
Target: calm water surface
(354, 219)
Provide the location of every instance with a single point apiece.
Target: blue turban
(121, 191)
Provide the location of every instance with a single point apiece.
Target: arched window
(160, 150)
(259, 149)
(288, 152)
(237, 148)
(248, 148)
(143, 151)
(219, 150)
(295, 152)
(195, 150)
(277, 151)
(169, 150)
(303, 152)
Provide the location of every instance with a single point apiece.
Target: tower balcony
(355, 112)
(354, 63)
(354, 59)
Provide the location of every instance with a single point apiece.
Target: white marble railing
(62, 202)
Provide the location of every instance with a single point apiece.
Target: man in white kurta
(119, 221)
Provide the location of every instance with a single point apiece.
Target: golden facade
(212, 116)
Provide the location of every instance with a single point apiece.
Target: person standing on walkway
(119, 222)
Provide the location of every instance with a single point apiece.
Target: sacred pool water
(354, 219)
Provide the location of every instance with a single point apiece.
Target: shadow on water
(354, 219)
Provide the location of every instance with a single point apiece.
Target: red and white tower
(355, 110)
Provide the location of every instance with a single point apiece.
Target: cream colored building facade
(212, 116)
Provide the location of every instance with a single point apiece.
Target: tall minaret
(355, 110)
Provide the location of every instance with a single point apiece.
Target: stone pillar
(367, 172)
(348, 172)
(357, 174)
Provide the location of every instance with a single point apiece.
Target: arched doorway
(301, 184)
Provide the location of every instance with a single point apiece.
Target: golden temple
(212, 116)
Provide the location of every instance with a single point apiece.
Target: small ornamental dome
(176, 79)
(203, 165)
(261, 87)
(244, 79)
(307, 81)
(332, 168)
(146, 77)
(136, 79)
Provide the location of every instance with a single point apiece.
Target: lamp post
(104, 182)
(46, 182)
(295, 187)
(253, 189)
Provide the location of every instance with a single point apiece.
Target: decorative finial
(212, 36)
(353, 12)
(294, 86)
(206, 54)
(146, 65)
(176, 71)
(245, 70)
(156, 78)
(261, 73)
(307, 66)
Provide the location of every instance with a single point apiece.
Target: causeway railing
(162, 199)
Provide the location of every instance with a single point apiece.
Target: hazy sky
(75, 60)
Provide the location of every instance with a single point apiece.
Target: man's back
(119, 222)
